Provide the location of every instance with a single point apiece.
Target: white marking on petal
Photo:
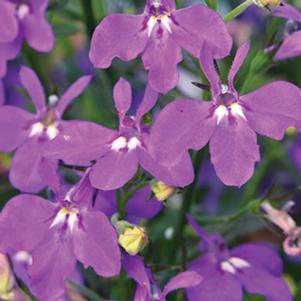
(66, 137)
(151, 24)
(72, 220)
(119, 143)
(52, 131)
(36, 129)
(237, 110)
(224, 88)
(23, 257)
(53, 99)
(166, 22)
(22, 11)
(239, 262)
(228, 267)
(59, 218)
(156, 3)
(221, 112)
(134, 143)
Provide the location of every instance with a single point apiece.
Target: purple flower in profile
(118, 153)
(230, 122)
(23, 20)
(2, 93)
(147, 288)
(28, 133)
(137, 208)
(291, 45)
(159, 33)
(57, 234)
(253, 267)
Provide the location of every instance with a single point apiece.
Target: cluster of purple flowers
(77, 223)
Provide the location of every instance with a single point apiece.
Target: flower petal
(182, 280)
(26, 214)
(33, 86)
(122, 96)
(14, 127)
(194, 25)
(114, 169)
(257, 280)
(240, 57)
(287, 11)
(273, 108)
(234, 151)
(53, 261)
(24, 173)
(291, 47)
(79, 142)
(148, 102)
(181, 125)
(96, 245)
(260, 253)
(8, 24)
(2, 93)
(179, 175)
(118, 35)
(229, 288)
(72, 92)
(161, 57)
(38, 33)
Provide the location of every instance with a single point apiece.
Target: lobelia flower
(57, 234)
(27, 132)
(230, 122)
(291, 45)
(23, 20)
(253, 267)
(280, 218)
(118, 153)
(159, 33)
(147, 288)
(138, 207)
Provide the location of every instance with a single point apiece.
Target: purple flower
(147, 288)
(28, 132)
(137, 208)
(229, 122)
(2, 93)
(57, 234)
(255, 268)
(23, 20)
(159, 34)
(118, 153)
(291, 46)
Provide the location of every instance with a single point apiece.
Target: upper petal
(122, 96)
(33, 86)
(96, 245)
(287, 11)
(14, 127)
(161, 57)
(79, 142)
(38, 33)
(72, 92)
(194, 25)
(24, 222)
(9, 23)
(273, 108)
(118, 35)
(291, 47)
(181, 125)
(234, 151)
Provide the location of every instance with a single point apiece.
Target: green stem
(89, 16)
(85, 291)
(238, 10)
(187, 202)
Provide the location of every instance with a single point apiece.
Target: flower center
(233, 264)
(67, 218)
(158, 14)
(125, 144)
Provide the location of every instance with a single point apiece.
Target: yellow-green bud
(163, 191)
(291, 131)
(7, 280)
(133, 239)
(264, 3)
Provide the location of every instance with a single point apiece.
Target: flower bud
(263, 3)
(162, 191)
(133, 239)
